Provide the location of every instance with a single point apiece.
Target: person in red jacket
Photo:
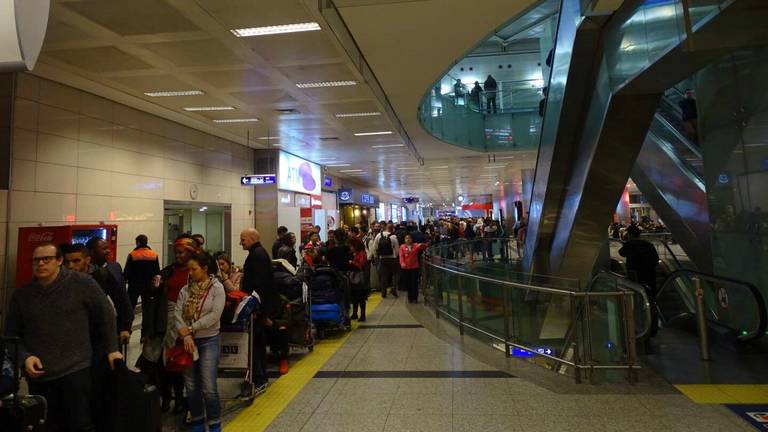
(409, 265)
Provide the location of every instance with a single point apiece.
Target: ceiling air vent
(287, 111)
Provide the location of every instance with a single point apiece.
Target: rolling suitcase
(17, 412)
(135, 404)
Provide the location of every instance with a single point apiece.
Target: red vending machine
(31, 237)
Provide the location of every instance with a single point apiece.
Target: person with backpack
(386, 249)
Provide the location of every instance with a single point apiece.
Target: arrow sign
(258, 179)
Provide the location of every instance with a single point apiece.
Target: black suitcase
(17, 412)
(134, 405)
(23, 413)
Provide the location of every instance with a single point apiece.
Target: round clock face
(193, 191)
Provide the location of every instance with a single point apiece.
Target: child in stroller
(329, 296)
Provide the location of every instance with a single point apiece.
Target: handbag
(177, 359)
(357, 279)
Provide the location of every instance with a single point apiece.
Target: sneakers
(283, 366)
(259, 389)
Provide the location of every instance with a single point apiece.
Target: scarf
(197, 292)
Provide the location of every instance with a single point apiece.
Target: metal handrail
(580, 333)
(725, 282)
(635, 287)
(692, 148)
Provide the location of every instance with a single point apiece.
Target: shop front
(357, 207)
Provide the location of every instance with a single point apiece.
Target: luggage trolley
(235, 363)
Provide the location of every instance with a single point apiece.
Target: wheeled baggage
(17, 412)
(134, 405)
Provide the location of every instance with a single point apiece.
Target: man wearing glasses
(53, 316)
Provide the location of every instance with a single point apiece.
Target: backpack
(385, 247)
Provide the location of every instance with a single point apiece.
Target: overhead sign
(345, 195)
(298, 175)
(367, 199)
(316, 201)
(258, 179)
(328, 181)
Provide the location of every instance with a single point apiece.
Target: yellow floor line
(726, 393)
(281, 392)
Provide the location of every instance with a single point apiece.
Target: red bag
(177, 359)
(231, 302)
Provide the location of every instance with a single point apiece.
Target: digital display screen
(82, 236)
(298, 175)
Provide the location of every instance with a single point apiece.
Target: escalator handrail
(668, 148)
(725, 281)
(626, 284)
(690, 146)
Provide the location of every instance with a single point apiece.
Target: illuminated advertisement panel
(299, 175)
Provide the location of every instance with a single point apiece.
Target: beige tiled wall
(79, 158)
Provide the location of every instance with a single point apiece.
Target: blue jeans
(200, 381)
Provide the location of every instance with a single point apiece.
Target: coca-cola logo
(46, 236)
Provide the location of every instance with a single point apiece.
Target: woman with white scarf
(197, 315)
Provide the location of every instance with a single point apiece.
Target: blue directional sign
(328, 181)
(520, 352)
(258, 179)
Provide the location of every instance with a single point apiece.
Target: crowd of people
(75, 318)
(620, 230)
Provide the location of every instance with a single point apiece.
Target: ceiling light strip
(359, 114)
(388, 145)
(322, 84)
(210, 108)
(175, 93)
(276, 29)
(373, 133)
(241, 120)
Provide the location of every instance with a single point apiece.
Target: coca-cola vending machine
(32, 237)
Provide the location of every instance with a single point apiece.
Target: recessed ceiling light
(351, 170)
(326, 84)
(338, 165)
(242, 120)
(277, 29)
(388, 145)
(211, 108)
(373, 133)
(175, 93)
(359, 114)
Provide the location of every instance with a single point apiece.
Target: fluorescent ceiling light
(326, 84)
(373, 133)
(359, 114)
(338, 165)
(439, 167)
(494, 166)
(277, 29)
(175, 93)
(268, 137)
(211, 108)
(408, 168)
(351, 170)
(505, 157)
(242, 120)
(388, 145)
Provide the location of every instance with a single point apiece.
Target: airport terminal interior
(383, 215)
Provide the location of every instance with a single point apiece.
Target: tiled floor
(398, 382)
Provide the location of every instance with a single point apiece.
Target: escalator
(735, 317)
(669, 173)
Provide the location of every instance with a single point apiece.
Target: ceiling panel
(247, 13)
(206, 52)
(234, 79)
(100, 59)
(318, 73)
(159, 82)
(134, 17)
(292, 48)
(261, 97)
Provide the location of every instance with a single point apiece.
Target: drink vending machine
(32, 237)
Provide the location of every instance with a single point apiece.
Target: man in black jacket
(642, 259)
(141, 266)
(101, 254)
(258, 279)
(281, 231)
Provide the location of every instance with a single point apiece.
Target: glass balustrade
(550, 321)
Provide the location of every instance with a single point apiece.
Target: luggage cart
(235, 363)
